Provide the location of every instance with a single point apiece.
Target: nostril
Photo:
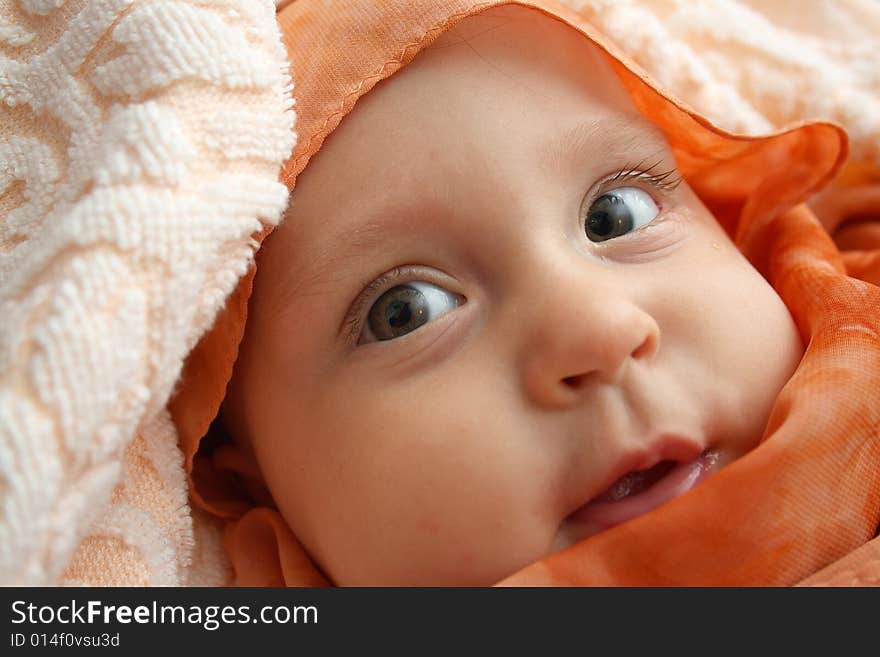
(573, 381)
(646, 349)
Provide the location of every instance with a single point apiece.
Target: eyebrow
(620, 135)
(343, 245)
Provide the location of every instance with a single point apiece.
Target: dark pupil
(398, 313)
(608, 217)
(400, 310)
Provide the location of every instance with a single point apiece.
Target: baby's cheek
(762, 347)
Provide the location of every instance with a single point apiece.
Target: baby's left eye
(618, 212)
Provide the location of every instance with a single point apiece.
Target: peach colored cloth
(807, 496)
(140, 145)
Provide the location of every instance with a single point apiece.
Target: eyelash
(664, 180)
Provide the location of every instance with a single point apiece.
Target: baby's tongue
(635, 482)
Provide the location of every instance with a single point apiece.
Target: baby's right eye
(404, 308)
(619, 212)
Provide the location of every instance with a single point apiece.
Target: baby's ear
(231, 454)
(238, 461)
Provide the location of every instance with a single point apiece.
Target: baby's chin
(639, 493)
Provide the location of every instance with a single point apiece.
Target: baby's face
(489, 302)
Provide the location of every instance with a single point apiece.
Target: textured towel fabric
(763, 520)
(129, 192)
(140, 145)
(754, 65)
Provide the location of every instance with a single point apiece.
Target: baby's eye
(618, 212)
(404, 308)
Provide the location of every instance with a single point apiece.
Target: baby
(496, 321)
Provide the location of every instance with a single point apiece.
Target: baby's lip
(642, 482)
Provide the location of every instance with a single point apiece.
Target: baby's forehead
(395, 146)
(464, 109)
(367, 182)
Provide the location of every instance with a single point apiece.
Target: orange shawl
(806, 497)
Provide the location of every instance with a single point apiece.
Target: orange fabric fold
(806, 497)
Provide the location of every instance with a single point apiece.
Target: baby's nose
(584, 329)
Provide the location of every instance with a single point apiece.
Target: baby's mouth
(638, 492)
